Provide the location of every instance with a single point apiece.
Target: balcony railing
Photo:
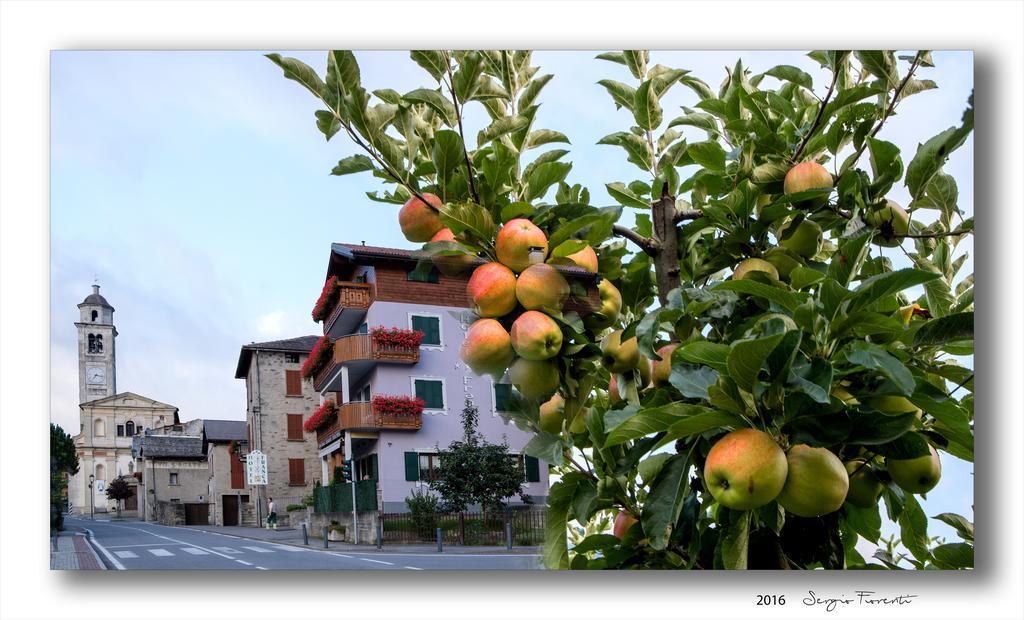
(360, 416)
(361, 348)
(353, 299)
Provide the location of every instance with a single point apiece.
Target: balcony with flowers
(403, 413)
(342, 305)
(392, 345)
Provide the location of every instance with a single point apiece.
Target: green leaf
(327, 123)
(886, 165)
(877, 287)
(544, 176)
(541, 137)
(710, 354)
(876, 358)
(431, 60)
(931, 156)
(701, 423)
(873, 429)
(914, 528)
(469, 218)
(447, 154)
(881, 64)
(646, 108)
(692, 381)
(783, 298)
(636, 60)
(906, 446)
(700, 120)
(435, 100)
(950, 328)
(709, 154)
(770, 172)
(500, 127)
(352, 164)
(342, 71)
(792, 74)
(803, 277)
(665, 501)
(954, 556)
(529, 94)
(867, 522)
(846, 262)
(735, 541)
(623, 94)
(295, 69)
(746, 357)
(625, 196)
(651, 420)
(546, 447)
(556, 547)
(963, 527)
(637, 149)
(649, 467)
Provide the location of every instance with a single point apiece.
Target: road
(131, 545)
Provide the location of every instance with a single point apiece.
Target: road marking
(243, 562)
(260, 568)
(228, 550)
(113, 560)
(258, 549)
(413, 568)
(194, 551)
(124, 555)
(160, 552)
(341, 555)
(287, 548)
(146, 545)
(180, 542)
(376, 561)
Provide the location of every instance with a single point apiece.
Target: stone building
(174, 471)
(226, 441)
(278, 402)
(108, 419)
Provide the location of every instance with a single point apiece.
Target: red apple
(420, 220)
(492, 290)
(487, 348)
(536, 336)
(514, 241)
(745, 469)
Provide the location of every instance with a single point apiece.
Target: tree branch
(687, 214)
(817, 118)
(645, 244)
(888, 112)
(458, 117)
(666, 257)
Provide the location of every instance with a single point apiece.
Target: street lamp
(92, 497)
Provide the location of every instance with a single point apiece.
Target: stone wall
(315, 521)
(169, 513)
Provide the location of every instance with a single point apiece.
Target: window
(92, 343)
(360, 279)
(120, 430)
(129, 428)
(297, 472)
(422, 275)
(173, 481)
(366, 393)
(96, 343)
(98, 428)
(364, 329)
(430, 466)
(94, 315)
(99, 471)
(430, 326)
(502, 394)
(431, 391)
(366, 468)
(295, 427)
(291, 358)
(131, 467)
(292, 383)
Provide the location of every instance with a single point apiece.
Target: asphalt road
(131, 545)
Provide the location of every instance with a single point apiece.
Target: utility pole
(352, 481)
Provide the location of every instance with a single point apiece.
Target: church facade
(108, 418)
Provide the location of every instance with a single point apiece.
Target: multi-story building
(382, 287)
(277, 403)
(226, 442)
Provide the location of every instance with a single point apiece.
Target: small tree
(63, 463)
(473, 471)
(119, 490)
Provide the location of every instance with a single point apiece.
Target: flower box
(324, 415)
(397, 406)
(389, 338)
(327, 300)
(318, 358)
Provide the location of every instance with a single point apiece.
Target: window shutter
(532, 468)
(292, 383)
(412, 466)
(502, 392)
(297, 471)
(295, 427)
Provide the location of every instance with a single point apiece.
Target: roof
(96, 299)
(369, 253)
(302, 344)
(167, 446)
(112, 401)
(225, 430)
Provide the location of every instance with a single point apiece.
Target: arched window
(94, 315)
(98, 428)
(131, 467)
(99, 343)
(129, 428)
(99, 471)
(92, 343)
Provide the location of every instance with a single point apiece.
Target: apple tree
(761, 385)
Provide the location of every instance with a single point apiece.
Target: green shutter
(431, 328)
(438, 394)
(412, 466)
(502, 392)
(532, 468)
(431, 392)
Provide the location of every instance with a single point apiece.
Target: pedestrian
(271, 514)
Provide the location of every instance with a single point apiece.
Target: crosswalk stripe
(125, 554)
(194, 551)
(226, 550)
(160, 552)
(286, 548)
(377, 561)
(258, 549)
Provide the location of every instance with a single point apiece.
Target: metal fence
(465, 528)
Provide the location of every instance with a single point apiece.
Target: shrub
(293, 507)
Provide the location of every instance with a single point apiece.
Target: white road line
(340, 555)
(376, 561)
(260, 568)
(194, 551)
(243, 562)
(160, 552)
(110, 557)
(258, 549)
(413, 568)
(146, 545)
(287, 548)
(124, 555)
(228, 550)
(180, 542)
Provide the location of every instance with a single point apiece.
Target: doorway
(230, 508)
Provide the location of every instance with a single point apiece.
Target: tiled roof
(369, 252)
(167, 446)
(224, 430)
(302, 344)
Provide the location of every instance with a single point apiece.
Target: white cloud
(271, 324)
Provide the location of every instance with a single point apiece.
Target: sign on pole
(256, 467)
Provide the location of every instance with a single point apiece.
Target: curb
(92, 549)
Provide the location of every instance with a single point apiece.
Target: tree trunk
(666, 242)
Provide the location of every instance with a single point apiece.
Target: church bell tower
(97, 376)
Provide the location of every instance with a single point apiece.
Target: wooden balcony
(353, 300)
(360, 416)
(359, 350)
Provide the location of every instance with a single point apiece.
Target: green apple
(784, 260)
(611, 306)
(892, 405)
(918, 475)
(618, 356)
(534, 378)
(806, 176)
(804, 239)
(816, 484)
(865, 487)
(536, 336)
(751, 265)
(892, 222)
(745, 469)
(552, 414)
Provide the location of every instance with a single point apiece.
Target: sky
(194, 188)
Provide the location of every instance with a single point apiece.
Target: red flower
(398, 405)
(396, 337)
(321, 354)
(324, 415)
(328, 299)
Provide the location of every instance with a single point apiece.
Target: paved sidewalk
(70, 551)
(293, 536)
